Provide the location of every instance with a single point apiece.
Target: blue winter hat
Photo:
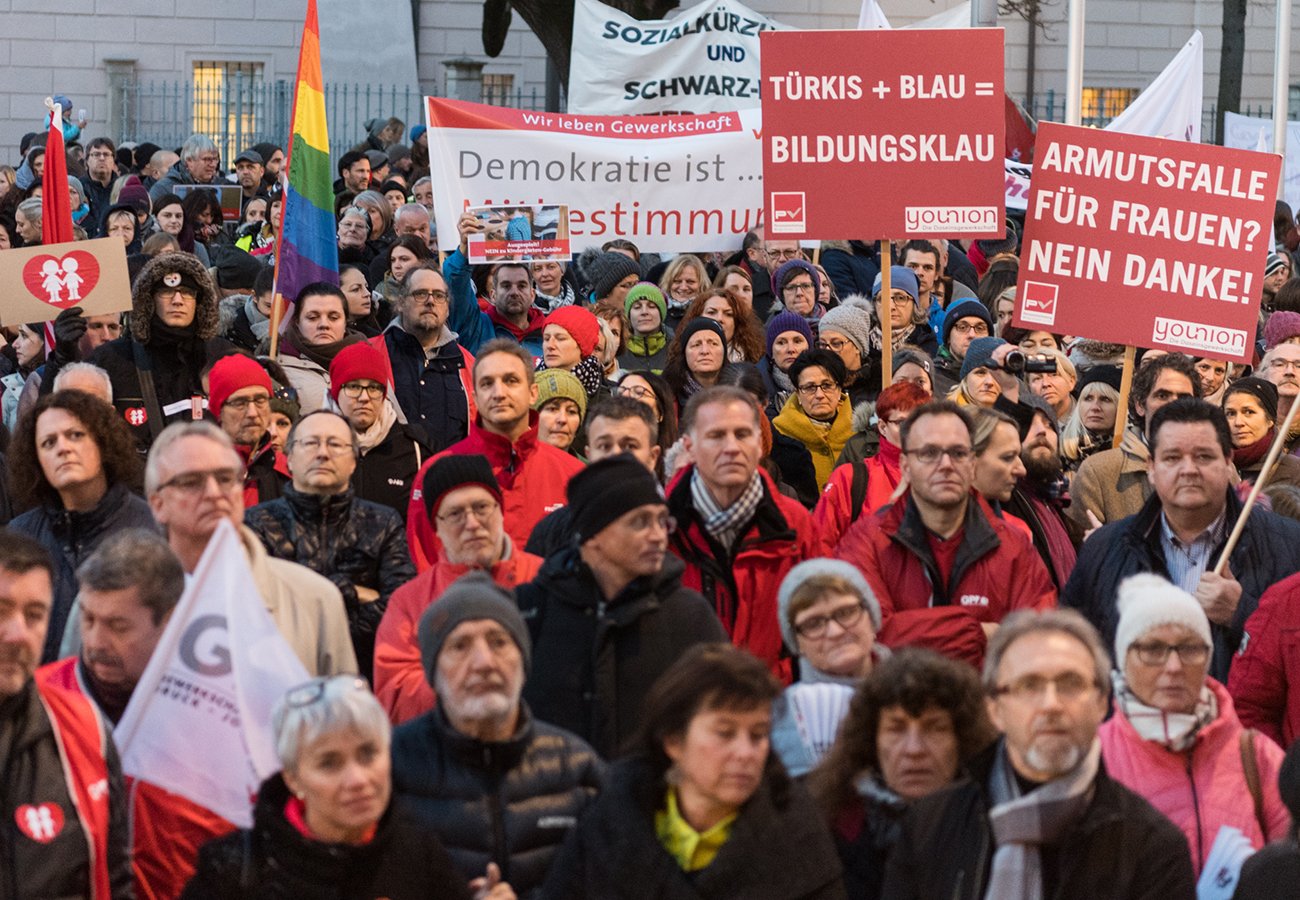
(787, 321)
(963, 309)
(64, 101)
(416, 131)
(791, 267)
(901, 278)
(980, 353)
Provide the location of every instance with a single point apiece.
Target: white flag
(199, 721)
(1170, 107)
(871, 16)
(1254, 133)
(957, 17)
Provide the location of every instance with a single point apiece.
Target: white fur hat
(1148, 601)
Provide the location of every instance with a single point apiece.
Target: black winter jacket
(779, 849)
(354, 543)
(385, 473)
(595, 660)
(1269, 550)
(70, 537)
(512, 803)
(274, 861)
(1122, 848)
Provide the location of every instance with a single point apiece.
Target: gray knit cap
(852, 318)
(473, 596)
(811, 568)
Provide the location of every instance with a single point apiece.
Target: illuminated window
(1106, 103)
(227, 103)
(497, 88)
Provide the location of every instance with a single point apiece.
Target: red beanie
(234, 373)
(355, 362)
(581, 325)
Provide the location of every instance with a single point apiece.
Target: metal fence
(1050, 107)
(240, 111)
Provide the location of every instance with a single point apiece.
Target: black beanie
(1263, 391)
(471, 597)
(606, 490)
(456, 471)
(1103, 373)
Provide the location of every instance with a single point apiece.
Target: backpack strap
(1250, 765)
(857, 490)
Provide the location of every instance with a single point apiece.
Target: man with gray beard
(1039, 817)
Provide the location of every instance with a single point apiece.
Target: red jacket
(743, 593)
(997, 570)
(1267, 665)
(166, 829)
(833, 513)
(400, 681)
(532, 475)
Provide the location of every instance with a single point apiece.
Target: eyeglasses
(1156, 653)
(833, 344)
(422, 296)
(1280, 364)
(355, 389)
(194, 482)
(310, 692)
(784, 254)
(896, 422)
(930, 455)
(1033, 688)
(978, 328)
(168, 294)
(99, 154)
(638, 391)
(803, 287)
(239, 404)
(845, 617)
(812, 390)
(312, 445)
(458, 516)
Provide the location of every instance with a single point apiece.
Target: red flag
(56, 206)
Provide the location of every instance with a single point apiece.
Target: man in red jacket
(128, 589)
(532, 474)
(737, 534)
(938, 558)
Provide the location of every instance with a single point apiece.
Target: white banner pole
(1074, 65)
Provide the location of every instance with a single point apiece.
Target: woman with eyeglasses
(73, 466)
(1175, 738)
(818, 414)
(653, 391)
(328, 825)
(354, 231)
(317, 331)
(797, 285)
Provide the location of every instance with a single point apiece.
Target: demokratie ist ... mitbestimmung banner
(663, 182)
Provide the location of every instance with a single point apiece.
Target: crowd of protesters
(627, 575)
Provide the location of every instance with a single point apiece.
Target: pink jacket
(1204, 789)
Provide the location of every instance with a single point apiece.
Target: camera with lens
(1017, 363)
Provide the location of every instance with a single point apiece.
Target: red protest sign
(1146, 241)
(883, 133)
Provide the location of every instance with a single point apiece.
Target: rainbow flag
(307, 248)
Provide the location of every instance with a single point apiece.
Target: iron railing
(1050, 107)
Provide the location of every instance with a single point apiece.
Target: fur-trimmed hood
(863, 414)
(151, 276)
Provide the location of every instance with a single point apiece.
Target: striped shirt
(1187, 561)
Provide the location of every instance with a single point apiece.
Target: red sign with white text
(883, 134)
(1146, 241)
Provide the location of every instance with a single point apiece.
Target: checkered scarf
(725, 525)
(1173, 731)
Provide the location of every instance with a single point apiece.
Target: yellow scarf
(692, 850)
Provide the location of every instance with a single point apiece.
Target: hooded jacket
(403, 861)
(595, 660)
(779, 848)
(511, 802)
(401, 683)
(742, 585)
(353, 543)
(1265, 554)
(172, 362)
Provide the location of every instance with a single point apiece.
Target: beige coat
(1112, 484)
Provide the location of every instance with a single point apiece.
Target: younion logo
(979, 219)
(1199, 336)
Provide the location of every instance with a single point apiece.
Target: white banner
(1251, 133)
(666, 183)
(871, 16)
(1170, 107)
(199, 721)
(704, 59)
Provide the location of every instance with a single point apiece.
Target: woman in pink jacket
(1175, 738)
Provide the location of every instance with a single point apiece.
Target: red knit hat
(581, 325)
(234, 373)
(357, 361)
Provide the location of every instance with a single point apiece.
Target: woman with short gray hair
(327, 825)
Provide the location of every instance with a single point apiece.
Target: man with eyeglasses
(1281, 366)
(97, 183)
(964, 321)
(198, 164)
(1181, 531)
(157, 368)
(319, 523)
(463, 500)
(193, 479)
(945, 568)
(391, 451)
(239, 398)
(608, 614)
(432, 386)
(1039, 816)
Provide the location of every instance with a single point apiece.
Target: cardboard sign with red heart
(37, 283)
